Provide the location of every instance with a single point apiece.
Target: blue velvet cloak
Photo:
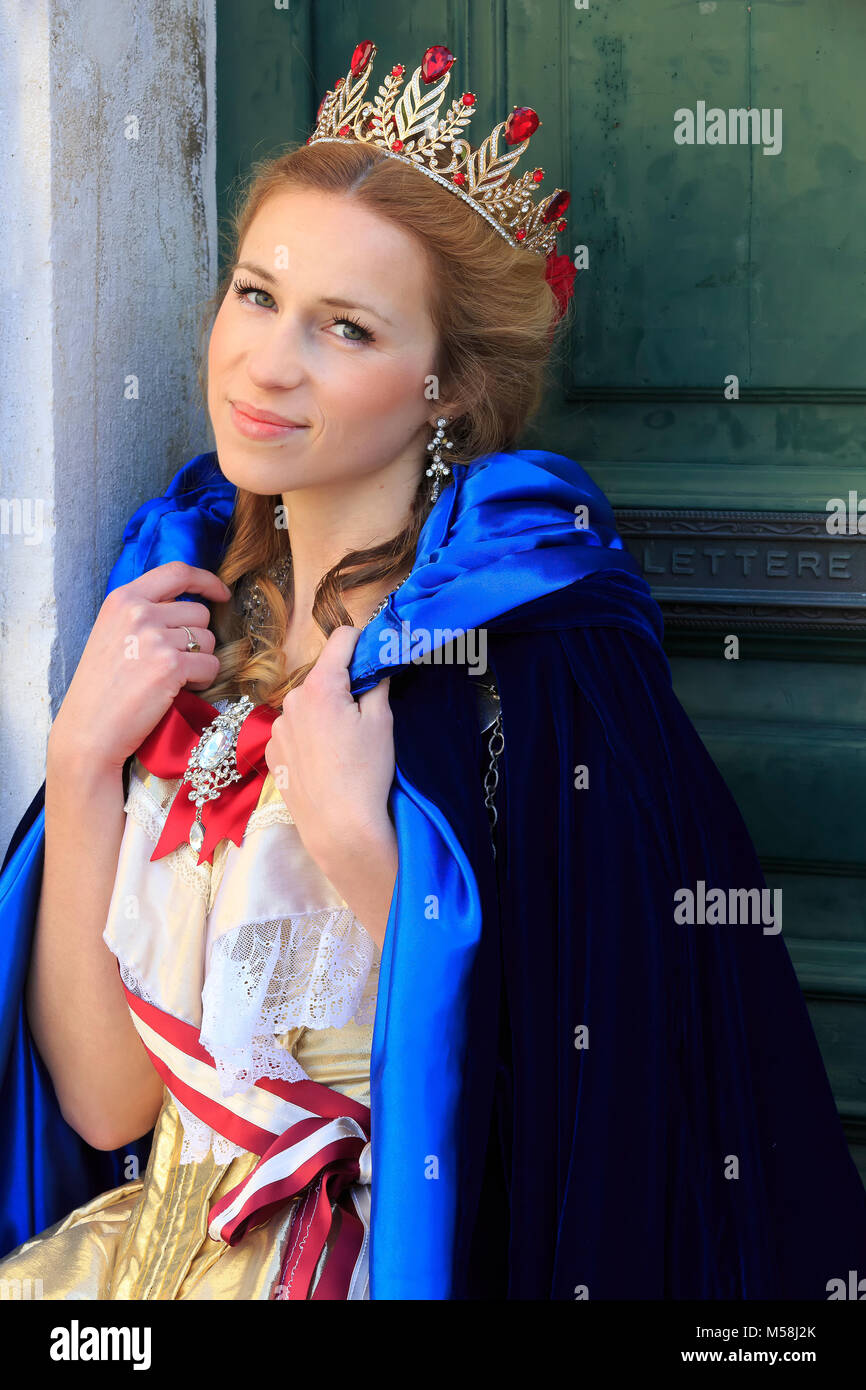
(573, 1094)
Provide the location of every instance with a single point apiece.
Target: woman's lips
(254, 428)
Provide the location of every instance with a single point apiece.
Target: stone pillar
(108, 229)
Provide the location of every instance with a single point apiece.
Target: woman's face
(351, 375)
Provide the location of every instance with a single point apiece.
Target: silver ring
(192, 645)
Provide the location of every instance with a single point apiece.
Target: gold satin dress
(148, 1239)
(271, 942)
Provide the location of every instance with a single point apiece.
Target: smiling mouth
(262, 425)
(266, 416)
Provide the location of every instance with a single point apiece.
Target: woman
(569, 1090)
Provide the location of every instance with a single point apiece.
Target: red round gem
(520, 236)
(397, 145)
(361, 57)
(538, 175)
(522, 123)
(468, 99)
(397, 70)
(459, 178)
(344, 130)
(436, 62)
(557, 206)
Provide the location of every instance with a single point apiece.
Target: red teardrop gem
(522, 123)
(557, 205)
(436, 62)
(361, 57)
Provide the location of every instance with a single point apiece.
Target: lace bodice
(253, 949)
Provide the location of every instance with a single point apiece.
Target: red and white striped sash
(311, 1140)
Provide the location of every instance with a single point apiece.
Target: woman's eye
(357, 332)
(242, 289)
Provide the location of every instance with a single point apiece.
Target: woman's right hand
(135, 662)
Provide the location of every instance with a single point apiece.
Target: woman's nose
(276, 360)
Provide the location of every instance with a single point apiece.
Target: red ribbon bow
(311, 1228)
(320, 1184)
(166, 751)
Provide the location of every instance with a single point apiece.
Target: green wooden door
(712, 382)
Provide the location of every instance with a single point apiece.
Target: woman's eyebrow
(334, 303)
(347, 304)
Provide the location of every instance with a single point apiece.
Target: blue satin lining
(502, 535)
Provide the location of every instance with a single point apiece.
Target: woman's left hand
(332, 758)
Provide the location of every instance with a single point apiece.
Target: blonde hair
(493, 312)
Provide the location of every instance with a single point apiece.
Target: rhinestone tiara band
(408, 126)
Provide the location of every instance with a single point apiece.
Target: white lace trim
(144, 808)
(312, 970)
(151, 815)
(199, 1140)
(274, 813)
(134, 983)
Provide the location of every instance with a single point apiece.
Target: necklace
(255, 607)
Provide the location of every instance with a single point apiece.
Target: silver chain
(381, 606)
(495, 745)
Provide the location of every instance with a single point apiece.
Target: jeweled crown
(408, 126)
